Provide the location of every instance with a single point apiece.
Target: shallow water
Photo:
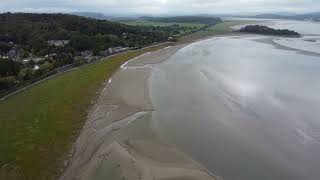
(310, 31)
(243, 109)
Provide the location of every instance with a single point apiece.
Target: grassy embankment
(218, 29)
(38, 126)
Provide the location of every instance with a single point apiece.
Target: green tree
(79, 61)
(9, 67)
(7, 82)
(46, 67)
(81, 42)
(25, 74)
(4, 47)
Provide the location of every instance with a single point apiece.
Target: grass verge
(38, 126)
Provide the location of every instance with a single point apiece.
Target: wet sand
(117, 141)
(243, 119)
(270, 40)
(242, 108)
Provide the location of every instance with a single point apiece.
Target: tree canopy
(32, 31)
(268, 31)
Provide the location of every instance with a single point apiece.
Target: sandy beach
(117, 141)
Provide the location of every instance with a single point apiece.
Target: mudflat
(118, 142)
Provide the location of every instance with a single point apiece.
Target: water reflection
(244, 109)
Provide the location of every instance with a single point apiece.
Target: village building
(58, 43)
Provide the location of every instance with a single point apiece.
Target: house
(50, 56)
(4, 57)
(36, 67)
(38, 59)
(25, 61)
(88, 56)
(86, 53)
(104, 53)
(14, 54)
(58, 43)
(119, 49)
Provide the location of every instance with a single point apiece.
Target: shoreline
(74, 169)
(117, 140)
(270, 41)
(65, 101)
(26, 87)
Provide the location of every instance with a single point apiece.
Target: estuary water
(244, 107)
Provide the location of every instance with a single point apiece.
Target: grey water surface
(243, 108)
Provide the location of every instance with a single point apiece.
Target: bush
(9, 67)
(79, 61)
(4, 48)
(7, 82)
(46, 67)
(25, 74)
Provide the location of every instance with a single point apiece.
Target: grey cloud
(160, 6)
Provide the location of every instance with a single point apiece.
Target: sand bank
(117, 141)
(270, 40)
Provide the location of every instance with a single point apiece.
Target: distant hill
(285, 13)
(110, 17)
(309, 16)
(270, 16)
(92, 15)
(185, 19)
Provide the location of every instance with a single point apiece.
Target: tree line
(32, 31)
(207, 20)
(257, 29)
(28, 34)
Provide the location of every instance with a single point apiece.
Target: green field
(38, 126)
(184, 28)
(151, 23)
(218, 29)
(186, 36)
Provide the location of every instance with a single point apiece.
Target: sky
(157, 7)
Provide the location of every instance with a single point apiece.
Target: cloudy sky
(160, 6)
